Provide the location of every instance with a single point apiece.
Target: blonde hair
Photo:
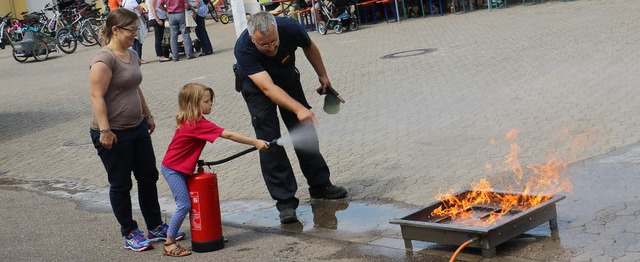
(119, 17)
(189, 102)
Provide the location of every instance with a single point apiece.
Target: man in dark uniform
(268, 79)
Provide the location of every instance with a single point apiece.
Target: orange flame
(483, 207)
(514, 164)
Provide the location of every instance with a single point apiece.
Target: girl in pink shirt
(192, 133)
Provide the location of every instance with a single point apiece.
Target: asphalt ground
(425, 121)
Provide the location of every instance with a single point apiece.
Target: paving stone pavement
(561, 73)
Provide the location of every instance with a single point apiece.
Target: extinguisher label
(196, 220)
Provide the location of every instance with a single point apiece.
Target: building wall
(37, 5)
(14, 6)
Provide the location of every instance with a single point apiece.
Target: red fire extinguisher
(206, 221)
(205, 217)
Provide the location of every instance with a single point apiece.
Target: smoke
(303, 137)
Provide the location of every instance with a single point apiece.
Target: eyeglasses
(131, 30)
(266, 46)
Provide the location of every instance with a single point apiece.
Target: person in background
(114, 4)
(289, 9)
(121, 130)
(269, 80)
(193, 131)
(142, 27)
(201, 10)
(157, 17)
(176, 10)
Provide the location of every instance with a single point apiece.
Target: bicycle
(50, 25)
(15, 30)
(34, 44)
(78, 30)
(34, 24)
(213, 11)
(4, 35)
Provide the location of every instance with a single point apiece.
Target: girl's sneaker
(160, 233)
(136, 241)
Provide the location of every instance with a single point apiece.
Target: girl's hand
(261, 145)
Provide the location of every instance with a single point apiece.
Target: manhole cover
(414, 52)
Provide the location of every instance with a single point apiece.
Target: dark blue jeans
(158, 33)
(275, 165)
(133, 153)
(203, 36)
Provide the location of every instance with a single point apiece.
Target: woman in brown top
(121, 130)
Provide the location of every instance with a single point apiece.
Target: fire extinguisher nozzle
(274, 143)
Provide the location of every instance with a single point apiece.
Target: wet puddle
(604, 195)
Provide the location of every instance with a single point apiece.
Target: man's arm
(281, 98)
(313, 55)
(161, 5)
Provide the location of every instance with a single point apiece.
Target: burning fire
(483, 207)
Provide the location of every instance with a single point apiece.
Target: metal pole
(239, 16)
(313, 14)
(397, 13)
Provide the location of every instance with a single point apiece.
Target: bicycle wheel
(95, 30)
(81, 37)
(18, 57)
(224, 18)
(65, 41)
(40, 51)
(87, 37)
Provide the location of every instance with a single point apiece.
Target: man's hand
(324, 84)
(305, 116)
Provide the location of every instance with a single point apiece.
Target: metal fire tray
(424, 227)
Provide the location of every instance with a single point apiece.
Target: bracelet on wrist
(106, 130)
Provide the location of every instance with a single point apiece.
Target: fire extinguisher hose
(227, 159)
(202, 163)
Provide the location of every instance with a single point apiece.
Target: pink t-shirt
(174, 6)
(187, 145)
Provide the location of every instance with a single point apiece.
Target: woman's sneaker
(160, 233)
(136, 241)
